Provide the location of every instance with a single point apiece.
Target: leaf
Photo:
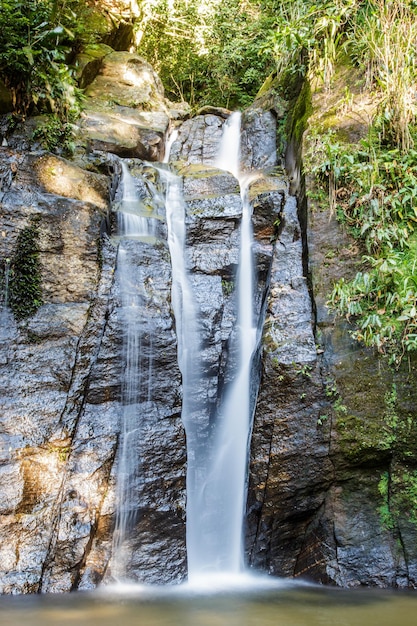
(27, 51)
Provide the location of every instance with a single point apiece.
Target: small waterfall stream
(228, 157)
(134, 226)
(216, 475)
(225, 485)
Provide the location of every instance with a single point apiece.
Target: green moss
(405, 494)
(387, 518)
(398, 489)
(299, 113)
(364, 441)
(25, 275)
(268, 84)
(228, 287)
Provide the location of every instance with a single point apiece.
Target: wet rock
(287, 480)
(42, 373)
(258, 140)
(198, 140)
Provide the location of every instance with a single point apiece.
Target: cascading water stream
(216, 477)
(134, 226)
(229, 150)
(216, 456)
(226, 481)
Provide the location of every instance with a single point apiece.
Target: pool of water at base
(275, 603)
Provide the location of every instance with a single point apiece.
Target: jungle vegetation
(220, 52)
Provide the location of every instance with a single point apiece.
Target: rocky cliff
(332, 468)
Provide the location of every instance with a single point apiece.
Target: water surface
(279, 604)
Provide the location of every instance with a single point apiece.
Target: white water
(133, 216)
(216, 481)
(229, 151)
(216, 473)
(226, 481)
(171, 138)
(136, 382)
(187, 328)
(182, 297)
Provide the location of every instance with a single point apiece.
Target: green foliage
(374, 190)
(399, 497)
(36, 40)
(308, 36)
(383, 43)
(379, 36)
(25, 276)
(56, 135)
(387, 518)
(207, 52)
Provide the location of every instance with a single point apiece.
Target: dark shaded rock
(6, 103)
(258, 140)
(287, 480)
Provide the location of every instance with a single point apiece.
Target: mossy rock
(88, 63)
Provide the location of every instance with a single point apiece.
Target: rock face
(333, 459)
(46, 363)
(62, 373)
(332, 475)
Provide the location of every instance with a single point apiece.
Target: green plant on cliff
(372, 185)
(25, 275)
(56, 135)
(375, 192)
(385, 512)
(399, 497)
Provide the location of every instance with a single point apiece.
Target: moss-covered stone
(89, 61)
(25, 282)
(299, 114)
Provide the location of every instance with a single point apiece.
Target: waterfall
(171, 138)
(229, 152)
(216, 477)
(135, 227)
(217, 449)
(226, 482)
